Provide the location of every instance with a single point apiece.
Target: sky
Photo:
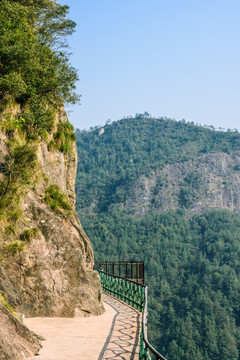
(179, 59)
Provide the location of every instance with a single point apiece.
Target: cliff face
(16, 341)
(53, 275)
(206, 182)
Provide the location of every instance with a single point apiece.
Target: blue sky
(179, 59)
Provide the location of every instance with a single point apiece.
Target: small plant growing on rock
(14, 215)
(62, 138)
(14, 248)
(56, 199)
(6, 304)
(10, 230)
(28, 234)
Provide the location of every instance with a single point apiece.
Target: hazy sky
(179, 59)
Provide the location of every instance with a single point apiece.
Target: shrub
(28, 234)
(10, 230)
(14, 248)
(14, 215)
(6, 304)
(35, 72)
(62, 138)
(56, 199)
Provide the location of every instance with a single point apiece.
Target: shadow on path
(114, 334)
(124, 336)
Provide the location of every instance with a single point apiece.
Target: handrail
(139, 301)
(133, 270)
(148, 346)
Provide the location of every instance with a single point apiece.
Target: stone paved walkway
(113, 335)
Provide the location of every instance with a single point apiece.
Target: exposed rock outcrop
(210, 181)
(53, 275)
(16, 341)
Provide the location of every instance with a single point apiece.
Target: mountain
(151, 157)
(167, 193)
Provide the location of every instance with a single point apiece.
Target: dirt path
(113, 335)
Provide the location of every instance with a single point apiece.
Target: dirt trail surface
(113, 335)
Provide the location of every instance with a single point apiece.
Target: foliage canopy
(34, 69)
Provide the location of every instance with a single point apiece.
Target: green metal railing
(132, 270)
(135, 295)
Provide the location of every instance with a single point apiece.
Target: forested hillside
(166, 192)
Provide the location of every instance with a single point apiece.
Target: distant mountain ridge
(158, 164)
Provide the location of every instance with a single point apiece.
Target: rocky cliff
(54, 274)
(46, 266)
(16, 341)
(46, 260)
(209, 181)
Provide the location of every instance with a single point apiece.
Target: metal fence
(134, 294)
(132, 270)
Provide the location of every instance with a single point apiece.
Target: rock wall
(16, 341)
(53, 275)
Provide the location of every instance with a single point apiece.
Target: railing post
(143, 272)
(137, 272)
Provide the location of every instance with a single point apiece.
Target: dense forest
(192, 262)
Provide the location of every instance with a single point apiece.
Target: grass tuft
(56, 199)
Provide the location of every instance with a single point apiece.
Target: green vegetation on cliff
(39, 231)
(56, 199)
(36, 80)
(34, 70)
(192, 263)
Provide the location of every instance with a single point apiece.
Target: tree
(34, 69)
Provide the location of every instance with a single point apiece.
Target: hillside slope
(167, 193)
(155, 155)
